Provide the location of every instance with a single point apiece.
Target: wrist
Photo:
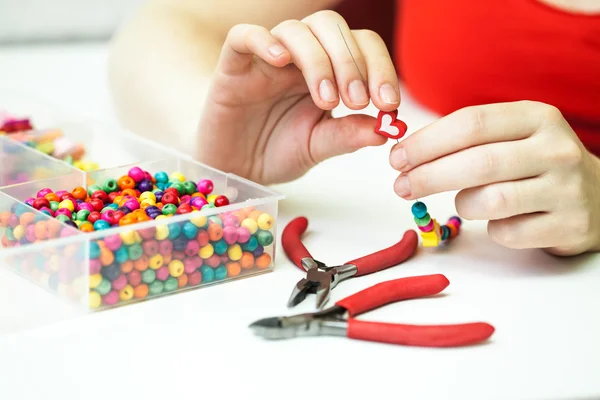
(595, 232)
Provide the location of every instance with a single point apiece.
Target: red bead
(221, 201)
(97, 204)
(147, 233)
(179, 255)
(118, 215)
(112, 196)
(202, 238)
(150, 248)
(66, 196)
(213, 261)
(184, 209)
(134, 278)
(94, 216)
(101, 194)
(170, 198)
(194, 278)
(39, 203)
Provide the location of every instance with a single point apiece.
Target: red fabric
(453, 54)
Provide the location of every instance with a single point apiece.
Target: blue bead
(220, 272)
(190, 230)
(445, 232)
(251, 244)
(94, 251)
(161, 177)
(174, 231)
(220, 247)
(208, 274)
(100, 225)
(180, 243)
(122, 255)
(111, 272)
(21, 208)
(258, 251)
(419, 209)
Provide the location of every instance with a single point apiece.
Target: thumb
(336, 136)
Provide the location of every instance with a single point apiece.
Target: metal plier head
(321, 279)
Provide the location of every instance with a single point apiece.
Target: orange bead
(215, 232)
(141, 264)
(167, 258)
(106, 257)
(182, 281)
(263, 261)
(5, 242)
(453, 230)
(27, 218)
(41, 230)
(233, 269)
(79, 193)
(127, 267)
(127, 220)
(86, 227)
(54, 228)
(247, 260)
(52, 197)
(140, 291)
(129, 192)
(255, 214)
(4, 217)
(126, 182)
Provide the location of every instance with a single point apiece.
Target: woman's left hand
(519, 165)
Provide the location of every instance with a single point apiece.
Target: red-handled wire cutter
(320, 278)
(339, 320)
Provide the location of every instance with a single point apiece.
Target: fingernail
(402, 186)
(327, 91)
(358, 93)
(276, 50)
(388, 94)
(398, 158)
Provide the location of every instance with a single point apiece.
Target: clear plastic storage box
(49, 266)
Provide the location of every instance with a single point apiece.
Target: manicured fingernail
(388, 94)
(327, 91)
(276, 50)
(398, 158)
(402, 186)
(358, 93)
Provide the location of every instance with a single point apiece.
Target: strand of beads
(431, 232)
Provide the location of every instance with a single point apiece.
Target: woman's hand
(267, 116)
(518, 165)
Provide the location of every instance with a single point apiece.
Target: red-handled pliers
(339, 320)
(320, 278)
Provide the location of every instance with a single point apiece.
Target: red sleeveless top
(453, 54)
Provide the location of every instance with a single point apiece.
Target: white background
(197, 345)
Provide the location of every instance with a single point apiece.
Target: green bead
(104, 287)
(62, 218)
(9, 234)
(156, 287)
(179, 186)
(445, 232)
(190, 187)
(423, 221)
(208, 205)
(220, 247)
(171, 284)
(93, 188)
(208, 274)
(220, 272)
(250, 245)
(54, 205)
(216, 220)
(82, 215)
(265, 238)
(135, 252)
(110, 186)
(148, 276)
(169, 209)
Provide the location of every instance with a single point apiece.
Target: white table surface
(197, 345)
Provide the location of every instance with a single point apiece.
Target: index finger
(469, 127)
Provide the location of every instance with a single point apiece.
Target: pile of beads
(431, 232)
(146, 261)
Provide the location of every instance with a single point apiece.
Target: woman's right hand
(267, 115)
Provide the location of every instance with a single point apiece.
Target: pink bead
(230, 234)
(64, 211)
(243, 234)
(110, 298)
(162, 273)
(109, 216)
(61, 192)
(205, 186)
(231, 220)
(428, 227)
(13, 221)
(113, 243)
(68, 232)
(29, 201)
(120, 282)
(185, 199)
(454, 223)
(198, 202)
(192, 248)
(189, 265)
(198, 261)
(63, 275)
(44, 192)
(86, 206)
(30, 233)
(224, 259)
(132, 204)
(95, 267)
(165, 247)
(136, 174)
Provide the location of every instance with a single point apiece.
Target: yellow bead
(265, 222)
(198, 194)
(126, 293)
(137, 237)
(54, 262)
(148, 196)
(162, 232)
(177, 176)
(251, 225)
(19, 232)
(162, 216)
(95, 280)
(235, 252)
(206, 251)
(199, 220)
(432, 238)
(128, 237)
(95, 299)
(78, 223)
(68, 204)
(156, 261)
(78, 286)
(211, 198)
(176, 268)
(147, 203)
